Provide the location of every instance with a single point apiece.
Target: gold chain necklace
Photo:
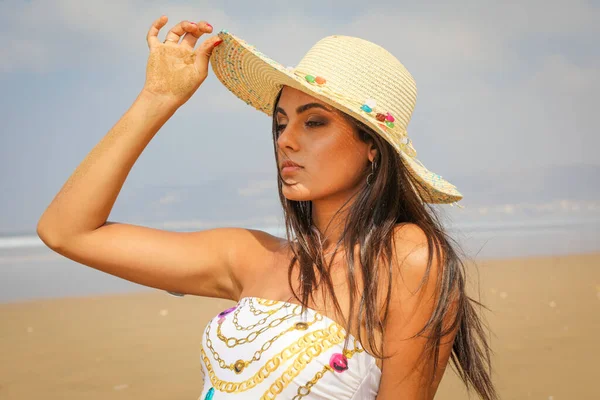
(311, 345)
(240, 365)
(256, 313)
(232, 342)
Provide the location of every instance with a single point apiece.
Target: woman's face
(332, 159)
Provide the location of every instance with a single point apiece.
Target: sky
(504, 89)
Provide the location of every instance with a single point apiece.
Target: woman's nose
(287, 139)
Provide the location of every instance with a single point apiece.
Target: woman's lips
(290, 170)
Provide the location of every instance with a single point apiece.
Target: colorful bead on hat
(386, 118)
(368, 105)
(319, 80)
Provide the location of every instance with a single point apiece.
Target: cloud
(170, 198)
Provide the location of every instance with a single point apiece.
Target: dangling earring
(372, 174)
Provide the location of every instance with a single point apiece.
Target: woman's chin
(294, 191)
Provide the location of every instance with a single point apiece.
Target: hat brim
(257, 79)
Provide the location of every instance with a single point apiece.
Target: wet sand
(545, 317)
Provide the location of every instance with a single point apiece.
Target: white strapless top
(267, 349)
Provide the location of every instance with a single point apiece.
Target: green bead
(310, 78)
(389, 124)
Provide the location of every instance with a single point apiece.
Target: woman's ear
(373, 152)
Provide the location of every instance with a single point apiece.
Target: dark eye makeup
(310, 124)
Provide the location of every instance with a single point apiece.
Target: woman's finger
(152, 36)
(205, 50)
(191, 37)
(179, 30)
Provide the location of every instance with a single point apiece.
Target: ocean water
(29, 270)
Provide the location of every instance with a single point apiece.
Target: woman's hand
(175, 70)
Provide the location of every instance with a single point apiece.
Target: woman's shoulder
(258, 240)
(413, 258)
(409, 232)
(409, 238)
(411, 250)
(255, 248)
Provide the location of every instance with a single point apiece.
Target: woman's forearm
(86, 199)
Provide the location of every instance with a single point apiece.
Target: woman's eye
(311, 124)
(280, 128)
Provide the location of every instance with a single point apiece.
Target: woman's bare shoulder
(255, 253)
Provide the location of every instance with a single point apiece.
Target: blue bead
(366, 108)
(209, 394)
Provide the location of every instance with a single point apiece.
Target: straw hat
(353, 75)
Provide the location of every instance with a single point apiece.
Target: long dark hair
(377, 209)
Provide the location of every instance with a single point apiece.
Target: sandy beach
(545, 317)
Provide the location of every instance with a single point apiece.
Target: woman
(360, 235)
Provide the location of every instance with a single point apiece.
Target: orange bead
(320, 80)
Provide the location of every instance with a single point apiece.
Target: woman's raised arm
(75, 222)
(86, 199)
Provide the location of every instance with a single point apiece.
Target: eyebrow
(304, 107)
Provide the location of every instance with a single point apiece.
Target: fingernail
(193, 23)
(218, 42)
(209, 25)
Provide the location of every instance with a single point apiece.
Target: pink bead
(338, 362)
(390, 118)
